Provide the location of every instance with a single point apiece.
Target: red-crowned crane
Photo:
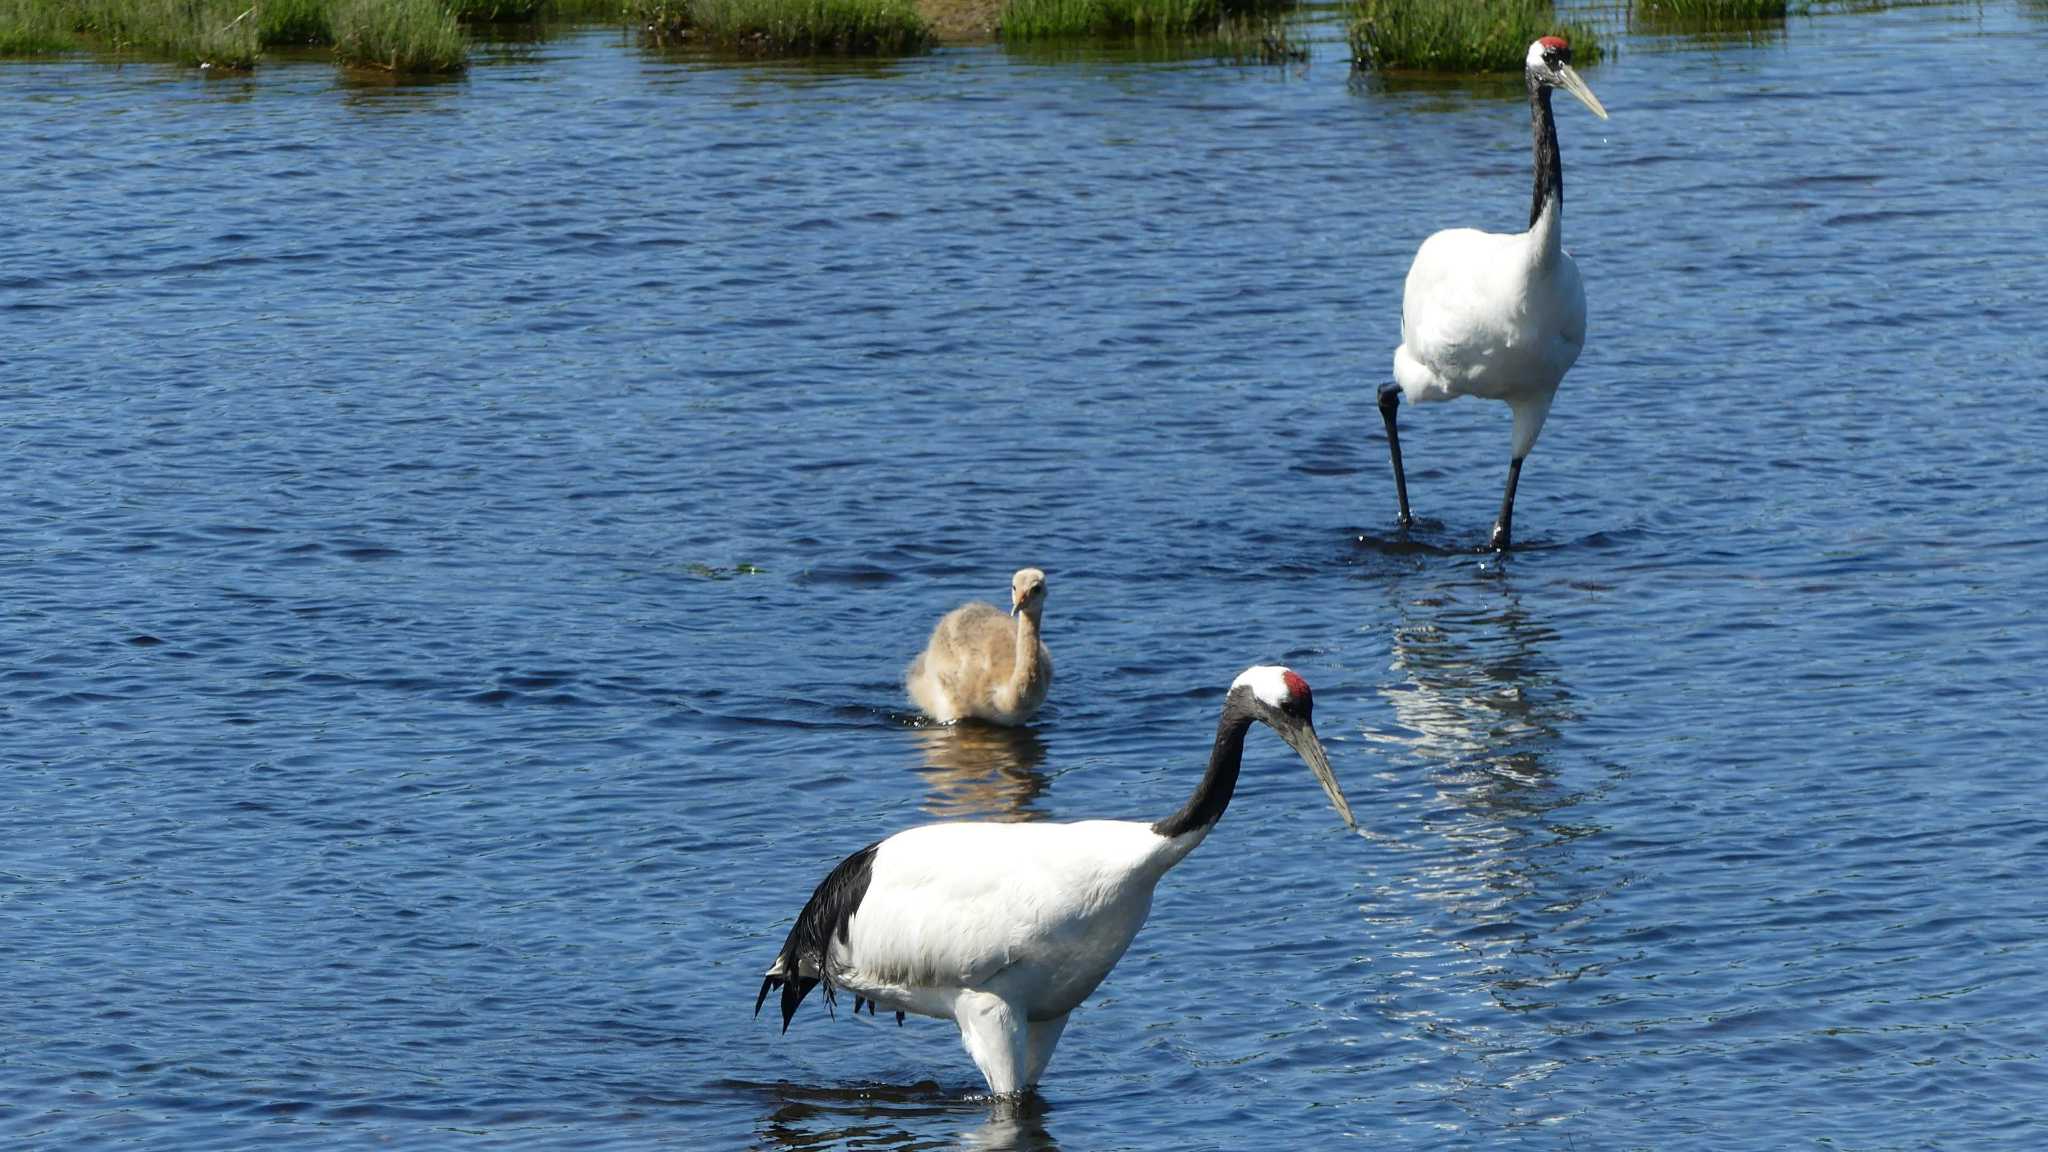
(1497, 316)
(1006, 928)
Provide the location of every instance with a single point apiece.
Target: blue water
(463, 543)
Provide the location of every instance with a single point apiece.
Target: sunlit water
(463, 543)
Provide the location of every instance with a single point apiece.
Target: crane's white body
(1002, 928)
(1501, 317)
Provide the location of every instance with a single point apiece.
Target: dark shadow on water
(378, 91)
(981, 771)
(898, 1117)
(778, 71)
(1436, 91)
(1697, 30)
(1430, 538)
(1425, 538)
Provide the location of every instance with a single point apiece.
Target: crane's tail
(805, 960)
(793, 992)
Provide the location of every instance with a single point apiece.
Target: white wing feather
(1038, 913)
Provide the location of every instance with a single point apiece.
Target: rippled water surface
(463, 543)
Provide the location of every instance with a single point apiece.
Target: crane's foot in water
(1504, 526)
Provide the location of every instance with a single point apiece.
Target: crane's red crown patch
(1297, 687)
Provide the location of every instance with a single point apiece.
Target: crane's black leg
(1390, 401)
(1504, 526)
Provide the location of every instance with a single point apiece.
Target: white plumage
(1006, 928)
(1501, 317)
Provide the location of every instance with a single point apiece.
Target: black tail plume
(793, 993)
(818, 927)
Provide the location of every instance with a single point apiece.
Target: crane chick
(981, 665)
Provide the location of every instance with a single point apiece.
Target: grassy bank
(1458, 36)
(394, 35)
(412, 37)
(213, 33)
(425, 36)
(788, 27)
(1052, 19)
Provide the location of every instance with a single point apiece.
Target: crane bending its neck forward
(1501, 317)
(1006, 928)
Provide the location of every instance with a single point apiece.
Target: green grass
(788, 27)
(1055, 19)
(1452, 36)
(407, 37)
(29, 28)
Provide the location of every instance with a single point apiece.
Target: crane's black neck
(1219, 783)
(1549, 165)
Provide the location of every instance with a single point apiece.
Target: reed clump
(788, 27)
(1457, 35)
(409, 37)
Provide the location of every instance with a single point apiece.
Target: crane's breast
(1482, 316)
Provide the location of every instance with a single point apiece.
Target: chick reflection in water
(981, 772)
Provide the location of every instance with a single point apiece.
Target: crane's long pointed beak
(1303, 740)
(1577, 87)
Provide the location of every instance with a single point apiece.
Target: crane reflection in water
(1492, 916)
(1477, 695)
